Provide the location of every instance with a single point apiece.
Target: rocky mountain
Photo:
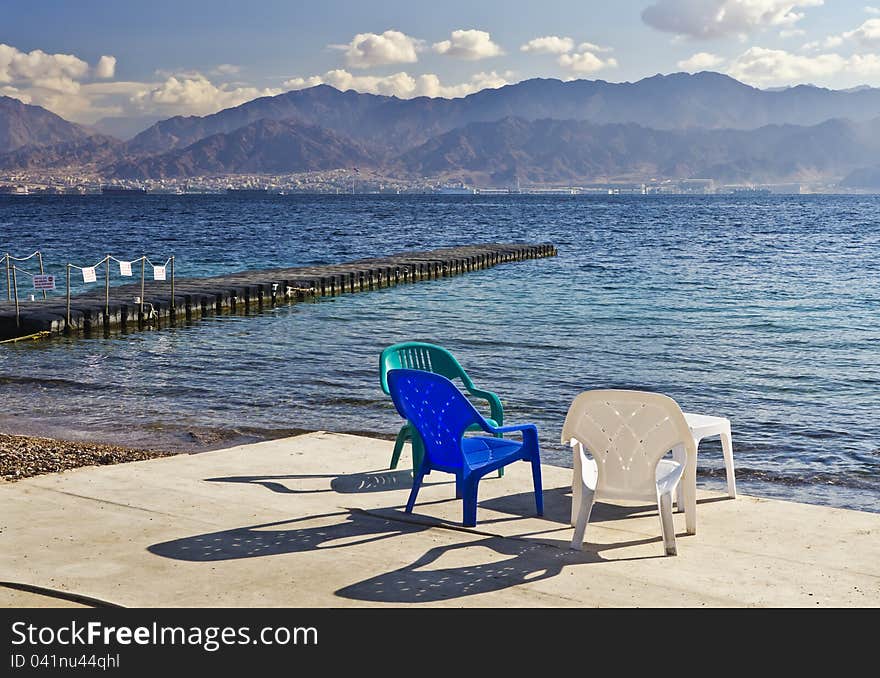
(557, 151)
(91, 152)
(25, 125)
(677, 101)
(344, 112)
(124, 128)
(541, 131)
(266, 146)
(864, 178)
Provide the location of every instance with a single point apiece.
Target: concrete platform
(317, 521)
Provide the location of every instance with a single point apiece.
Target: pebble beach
(28, 456)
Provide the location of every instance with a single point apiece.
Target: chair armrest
(494, 403)
(513, 429)
(529, 434)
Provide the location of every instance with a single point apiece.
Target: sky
(92, 59)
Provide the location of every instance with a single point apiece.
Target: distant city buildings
(345, 181)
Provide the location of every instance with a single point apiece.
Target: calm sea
(761, 309)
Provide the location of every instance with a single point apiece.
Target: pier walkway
(192, 298)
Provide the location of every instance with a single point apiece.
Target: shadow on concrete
(348, 528)
(354, 483)
(557, 507)
(273, 483)
(526, 561)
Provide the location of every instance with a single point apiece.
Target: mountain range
(542, 131)
(559, 151)
(265, 146)
(25, 125)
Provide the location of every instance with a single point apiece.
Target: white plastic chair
(703, 426)
(627, 434)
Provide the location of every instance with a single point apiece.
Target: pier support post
(15, 294)
(42, 272)
(173, 308)
(107, 291)
(143, 281)
(68, 299)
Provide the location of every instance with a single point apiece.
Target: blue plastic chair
(441, 414)
(418, 355)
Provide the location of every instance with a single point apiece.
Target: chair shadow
(273, 482)
(354, 527)
(524, 560)
(557, 507)
(354, 483)
(527, 561)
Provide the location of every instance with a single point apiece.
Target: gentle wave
(763, 311)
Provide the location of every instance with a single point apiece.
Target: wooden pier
(247, 291)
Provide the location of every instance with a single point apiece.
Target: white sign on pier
(89, 274)
(44, 282)
(125, 268)
(158, 273)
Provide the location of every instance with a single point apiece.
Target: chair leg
(539, 490)
(417, 483)
(667, 527)
(577, 485)
(678, 454)
(583, 518)
(727, 447)
(418, 452)
(689, 480)
(402, 437)
(458, 486)
(469, 490)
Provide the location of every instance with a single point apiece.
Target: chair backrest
(437, 409)
(627, 433)
(416, 355)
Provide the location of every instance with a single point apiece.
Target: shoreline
(25, 455)
(30, 456)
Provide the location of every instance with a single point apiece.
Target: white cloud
(69, 87)
(585, 62)
(701, 61)
(768, 67)
(705, 19)
(193, 96)
(370, 49)
(549, 44)
(15, 93)
(226, 69)
(590, 47)
(830, 42)
(792, 33)
(872, 10)
(402, 85)
(58, 82)
(470, 45)
(867, 35)
(106, 67)
(59, 72)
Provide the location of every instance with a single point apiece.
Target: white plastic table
(703, 426)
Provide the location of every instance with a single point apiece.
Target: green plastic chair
(415, 355)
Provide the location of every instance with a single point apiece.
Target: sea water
(762, 309)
